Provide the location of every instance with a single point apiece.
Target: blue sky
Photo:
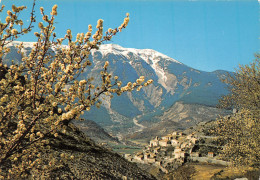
(206, 35)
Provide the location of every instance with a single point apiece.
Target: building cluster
(169, 151)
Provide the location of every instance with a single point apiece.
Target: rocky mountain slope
(95, 131)
(173, 82)
(178, 117)
(72, 155)
(92, 161)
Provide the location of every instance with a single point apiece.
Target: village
(173, 150)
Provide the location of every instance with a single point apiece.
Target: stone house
(139, 157)
(184, 145)
(154, 143)
(174, 133)
(168, 137)
(184, 154)
(156, 150)
(175, 142)
(169, 159)
(152, 155)
(194, 140)
(164, 142)
(177, 149)
(180, 154)
(146, 155)
(189, 136)
(128, 156)
(158, 163)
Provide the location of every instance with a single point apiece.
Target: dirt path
(139, 125)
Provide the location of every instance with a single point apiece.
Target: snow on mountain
(143, 53)
(150, 56)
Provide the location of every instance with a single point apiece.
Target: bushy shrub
(240, 131)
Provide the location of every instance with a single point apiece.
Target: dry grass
(218, 172)
(232, 173)
(205, 171)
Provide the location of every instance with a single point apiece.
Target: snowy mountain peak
(153, 58)
(145, 54)
(111, 47)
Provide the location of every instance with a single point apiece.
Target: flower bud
(54, 10)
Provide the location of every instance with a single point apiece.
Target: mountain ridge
(173, 82)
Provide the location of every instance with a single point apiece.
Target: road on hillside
(139, 125)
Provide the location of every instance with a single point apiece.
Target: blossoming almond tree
(41, 95)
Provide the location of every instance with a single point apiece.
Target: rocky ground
(90, 160)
